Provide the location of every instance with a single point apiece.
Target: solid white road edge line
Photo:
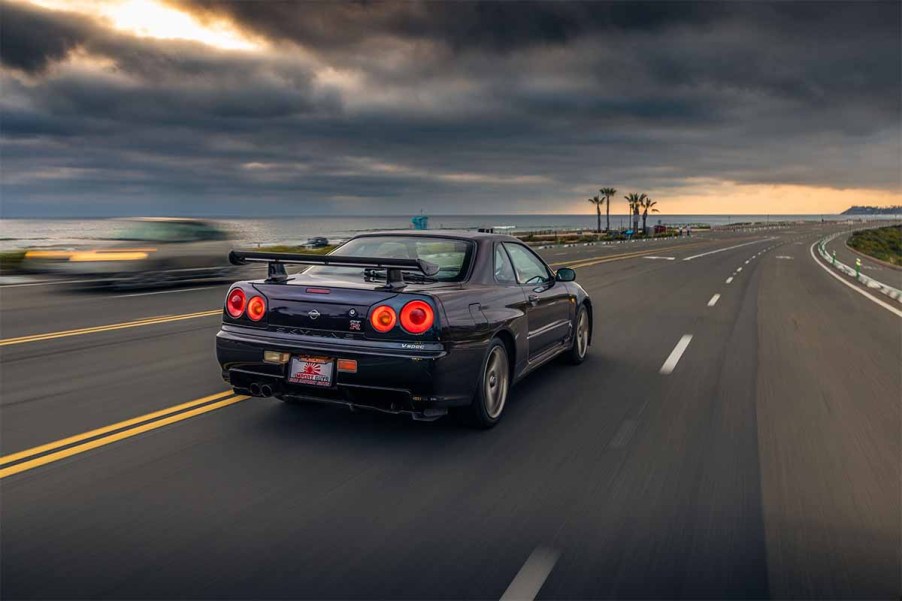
(886, 306)
(675, 355)
(529, 580)
(720, 250)
(713, 300)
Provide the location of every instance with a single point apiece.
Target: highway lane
(831, 439)
(762, 464)
(107, 376)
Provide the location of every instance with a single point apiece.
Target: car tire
(580, 347)
(492, 387)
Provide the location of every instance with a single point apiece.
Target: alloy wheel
(495, 382)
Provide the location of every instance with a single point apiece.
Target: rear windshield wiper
(409, 276)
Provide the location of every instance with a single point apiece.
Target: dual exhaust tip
(264, 390)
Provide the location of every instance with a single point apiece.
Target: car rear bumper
(423, 381)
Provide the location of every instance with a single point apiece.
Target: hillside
(863, 210)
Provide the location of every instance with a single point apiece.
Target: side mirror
(565, 274)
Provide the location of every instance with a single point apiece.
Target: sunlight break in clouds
(719, 197)
(151, 19)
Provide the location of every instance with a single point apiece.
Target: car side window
(207, 232)
(504, 271)
(528, 267)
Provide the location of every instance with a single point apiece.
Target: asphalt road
(761, 461)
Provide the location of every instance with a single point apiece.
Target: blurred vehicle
(147, 252)
(414, 322)
(317, 242)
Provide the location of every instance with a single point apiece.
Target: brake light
(236, 302)
(256, 308)
(383, 318)
(417, 317)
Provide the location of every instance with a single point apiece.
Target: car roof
(462, 234)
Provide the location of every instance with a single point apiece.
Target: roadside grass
(11, 261)
(883, 243)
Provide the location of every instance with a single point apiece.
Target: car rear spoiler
(394, 278)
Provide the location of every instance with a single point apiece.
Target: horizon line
(327, 215)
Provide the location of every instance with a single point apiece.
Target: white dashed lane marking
(720, 250)
(713, 300)
(677, 352)
(729, 279)
(529, 580)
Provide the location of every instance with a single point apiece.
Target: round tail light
(256, 308)
(417, 317)
(383, 318)
(236, 302)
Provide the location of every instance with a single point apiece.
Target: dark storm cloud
(31, 40)
(492, 26)
(452, 107)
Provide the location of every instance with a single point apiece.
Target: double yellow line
(74, 445)
(149, 321)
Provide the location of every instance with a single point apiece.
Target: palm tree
(630, 199)
(635, 201)
(647, 204)
(607, 193)
(597, 201)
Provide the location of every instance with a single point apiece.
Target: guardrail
(893, 293)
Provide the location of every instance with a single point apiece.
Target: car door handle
(533, 299)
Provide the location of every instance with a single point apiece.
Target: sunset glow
(152, 19)
(714, 197)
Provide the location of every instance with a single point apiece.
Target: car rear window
(453, 256)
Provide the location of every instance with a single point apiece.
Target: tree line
(638, 204)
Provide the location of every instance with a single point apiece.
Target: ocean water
(31, 233)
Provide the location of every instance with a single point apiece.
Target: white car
(146, 252)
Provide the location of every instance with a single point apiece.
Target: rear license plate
(315, 371)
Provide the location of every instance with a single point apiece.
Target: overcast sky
(140, 107)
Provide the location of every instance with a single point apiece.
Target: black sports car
(404, 322)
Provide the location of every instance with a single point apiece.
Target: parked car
(145, 252)
(406, 322)
(317, 242)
